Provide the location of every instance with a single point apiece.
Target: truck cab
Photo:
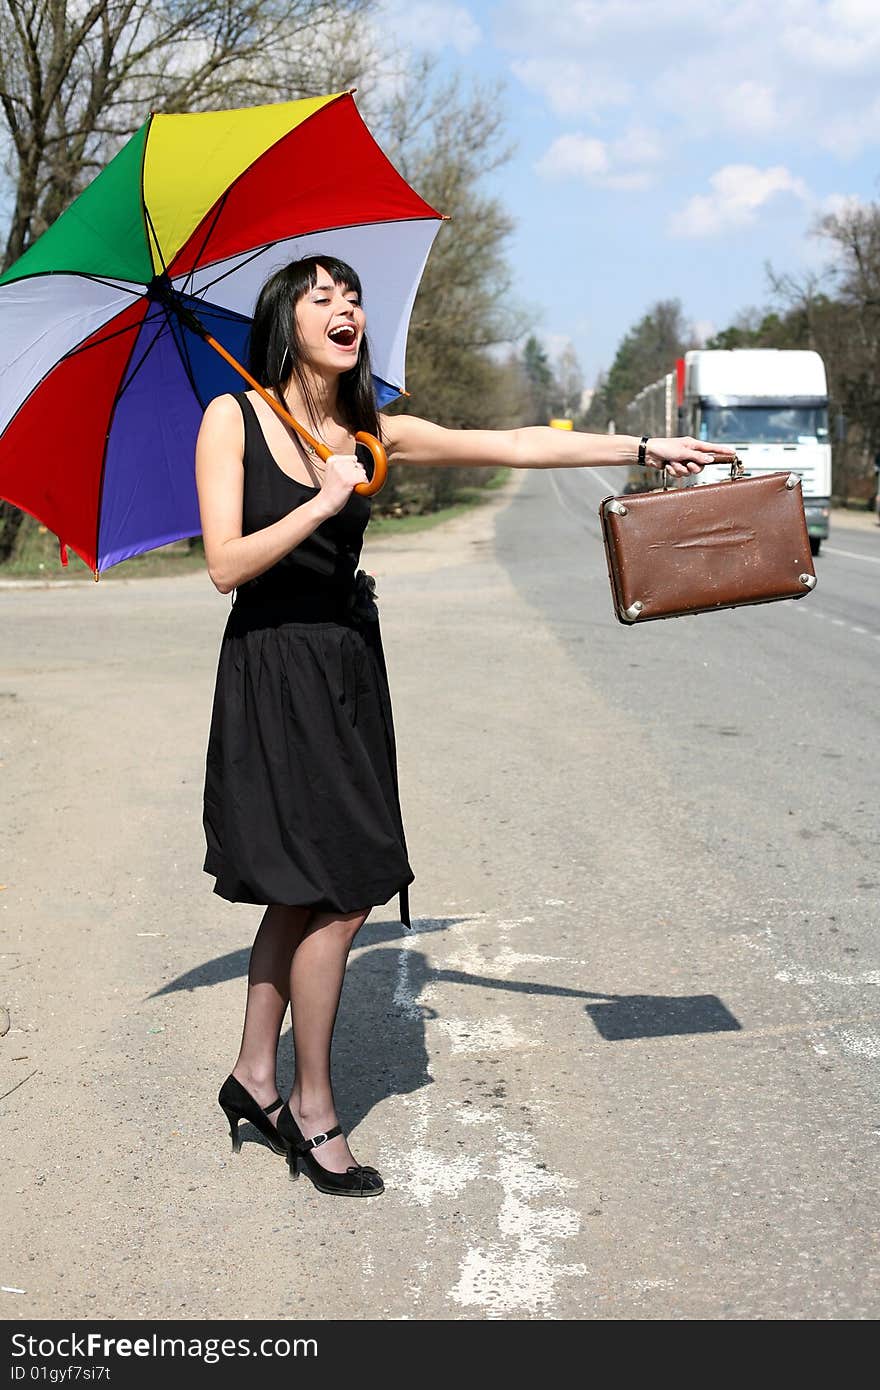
(771, 404)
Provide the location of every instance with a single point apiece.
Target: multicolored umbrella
(114, 322)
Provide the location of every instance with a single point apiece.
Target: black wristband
(642, 460)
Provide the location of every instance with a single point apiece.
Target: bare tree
(855, 232)
(569, 382)
(76, 79)
(445, 137)
(837, 314)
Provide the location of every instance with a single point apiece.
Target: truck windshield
(759, 424)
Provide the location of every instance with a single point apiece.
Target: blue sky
(666, 148)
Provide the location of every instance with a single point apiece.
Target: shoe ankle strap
(267, 1109)
(318, 1139)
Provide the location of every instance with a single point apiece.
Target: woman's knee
(344, 925)
(351, 923)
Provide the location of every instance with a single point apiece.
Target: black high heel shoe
(356, 1181)
(239, 1104)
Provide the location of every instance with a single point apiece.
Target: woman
(301, 803)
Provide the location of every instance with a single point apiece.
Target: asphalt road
(625, 1066)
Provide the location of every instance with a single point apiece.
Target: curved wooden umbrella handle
(375, 446)
(380, 464)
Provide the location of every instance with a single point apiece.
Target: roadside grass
(37, 556)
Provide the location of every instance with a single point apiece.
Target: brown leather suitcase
(707, 547)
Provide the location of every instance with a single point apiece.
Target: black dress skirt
(301, 802)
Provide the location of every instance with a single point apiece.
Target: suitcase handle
(737, 470)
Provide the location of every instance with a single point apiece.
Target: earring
(283, 360)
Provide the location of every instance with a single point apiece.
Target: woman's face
(330, 323)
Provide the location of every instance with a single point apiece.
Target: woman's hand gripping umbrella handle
(375, 446)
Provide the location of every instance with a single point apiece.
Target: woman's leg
(316, 977)
(268, 995)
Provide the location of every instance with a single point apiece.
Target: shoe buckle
(318, 1139)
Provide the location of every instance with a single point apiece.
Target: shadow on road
(234, 965)
(379, 1046)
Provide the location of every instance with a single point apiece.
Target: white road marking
(851, 554)
(431, 1173)
(594, 473)
(841, 622)
(403, 995)
(518, 1271)
(812, 977)
(559, 497)
(567, 506)
(515, 1269)
(860, 1045)
(471, 1035)
(507, 961)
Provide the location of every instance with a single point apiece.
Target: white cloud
(628, 183)
(428, 26)
(841, 203)
(804, 69)
(738, 193)
(841, 36)
(638, 145)
(848, 133)
(751, 107)
(703, 330)
(574, 156)
(581, 156)
(572, 87)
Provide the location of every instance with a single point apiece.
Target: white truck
(772, 405)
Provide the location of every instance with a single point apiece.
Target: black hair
(276, 350)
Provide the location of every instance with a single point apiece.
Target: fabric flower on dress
(362, 604)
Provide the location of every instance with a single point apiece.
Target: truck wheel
(815, 542)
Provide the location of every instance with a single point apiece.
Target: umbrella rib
(97, 342)
(240, 264)
(210, 232)
(155, 236)
(219, 310)
(134, 291)
(185, 358)
(129, 286)
(127, 380)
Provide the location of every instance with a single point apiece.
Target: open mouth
(344, 335)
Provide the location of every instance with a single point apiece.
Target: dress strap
(252, 432)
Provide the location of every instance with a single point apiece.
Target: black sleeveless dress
(301, 802)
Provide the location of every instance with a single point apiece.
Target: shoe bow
(365, 1174)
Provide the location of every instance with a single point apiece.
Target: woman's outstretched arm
(411, 440)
